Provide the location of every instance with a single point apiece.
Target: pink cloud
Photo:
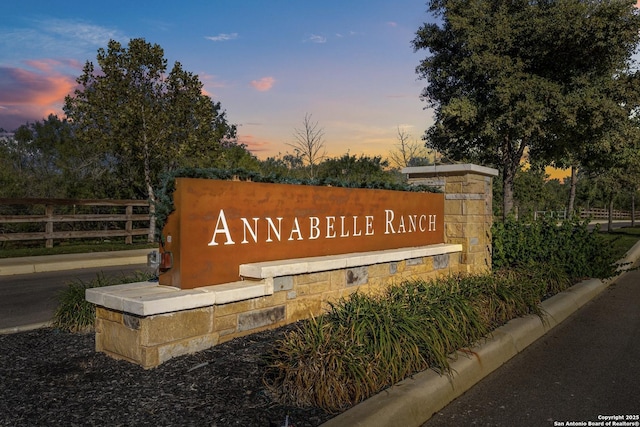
(264, 84)
(28, 96)
(254, 144)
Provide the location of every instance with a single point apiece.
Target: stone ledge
(263, 270)
(150, 298)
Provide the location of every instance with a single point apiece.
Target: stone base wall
(154, 339)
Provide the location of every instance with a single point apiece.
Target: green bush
(365, 343)
(74, 313)
(568, 245)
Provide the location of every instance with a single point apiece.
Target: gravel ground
(49, 377)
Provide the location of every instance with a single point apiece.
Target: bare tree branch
(409, 152)
(309, 143)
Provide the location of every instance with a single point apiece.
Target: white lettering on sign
(222, 221)
(357, 232)
(296, 229)
(368, 225)
(331, 233)
(315, 228)
(408, 223)
(253, 231)
(328, 227)
(277, 231)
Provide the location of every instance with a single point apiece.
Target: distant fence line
(58, 219)
(593, 213)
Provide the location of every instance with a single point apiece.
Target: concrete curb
(24, 328)
(40, 264)
(415, 400)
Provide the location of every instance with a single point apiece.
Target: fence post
(48, 230)
(128, 225)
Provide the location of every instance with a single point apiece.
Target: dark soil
(49, 377)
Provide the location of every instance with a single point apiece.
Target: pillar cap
(443, 170)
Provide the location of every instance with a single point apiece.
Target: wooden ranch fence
(593, 213)
(63, 217)
(604, 214)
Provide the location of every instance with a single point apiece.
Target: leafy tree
(37, 156)
(534, 191)
(9, 181)
(235, 155)
(51, 162)
(287, 165)
(548, 76)
(143, 121)
(309, 143)
(356, 170)
(622, 176)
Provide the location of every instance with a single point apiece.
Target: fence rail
(604, 214)
(594, 213)
(120, 221)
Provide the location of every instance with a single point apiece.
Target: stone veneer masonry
(468, 209)
(149, 324)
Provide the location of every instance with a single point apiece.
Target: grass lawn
(71, 247)
(622, 239)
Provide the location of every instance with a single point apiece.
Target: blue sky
(347, 63)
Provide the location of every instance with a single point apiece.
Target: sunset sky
(349, 64)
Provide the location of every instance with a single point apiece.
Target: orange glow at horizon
(559, 174)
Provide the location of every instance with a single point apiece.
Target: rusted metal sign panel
(218, 225)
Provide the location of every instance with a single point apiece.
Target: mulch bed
(49, 377)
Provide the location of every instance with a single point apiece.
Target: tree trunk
(507, 191)
(633, 209)
(146, 151)
(572, 191)
(511, 157)
(152, 215)
(610, 221)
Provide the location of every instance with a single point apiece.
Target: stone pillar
(468, 213)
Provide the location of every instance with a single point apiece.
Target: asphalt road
(28, 299)
(586, 368)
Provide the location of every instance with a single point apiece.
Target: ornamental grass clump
(74, 313)
(366, 343)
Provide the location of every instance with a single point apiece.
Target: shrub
(569, 246)
(366, 343)
(74, 313)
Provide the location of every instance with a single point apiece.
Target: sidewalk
(41, 264)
